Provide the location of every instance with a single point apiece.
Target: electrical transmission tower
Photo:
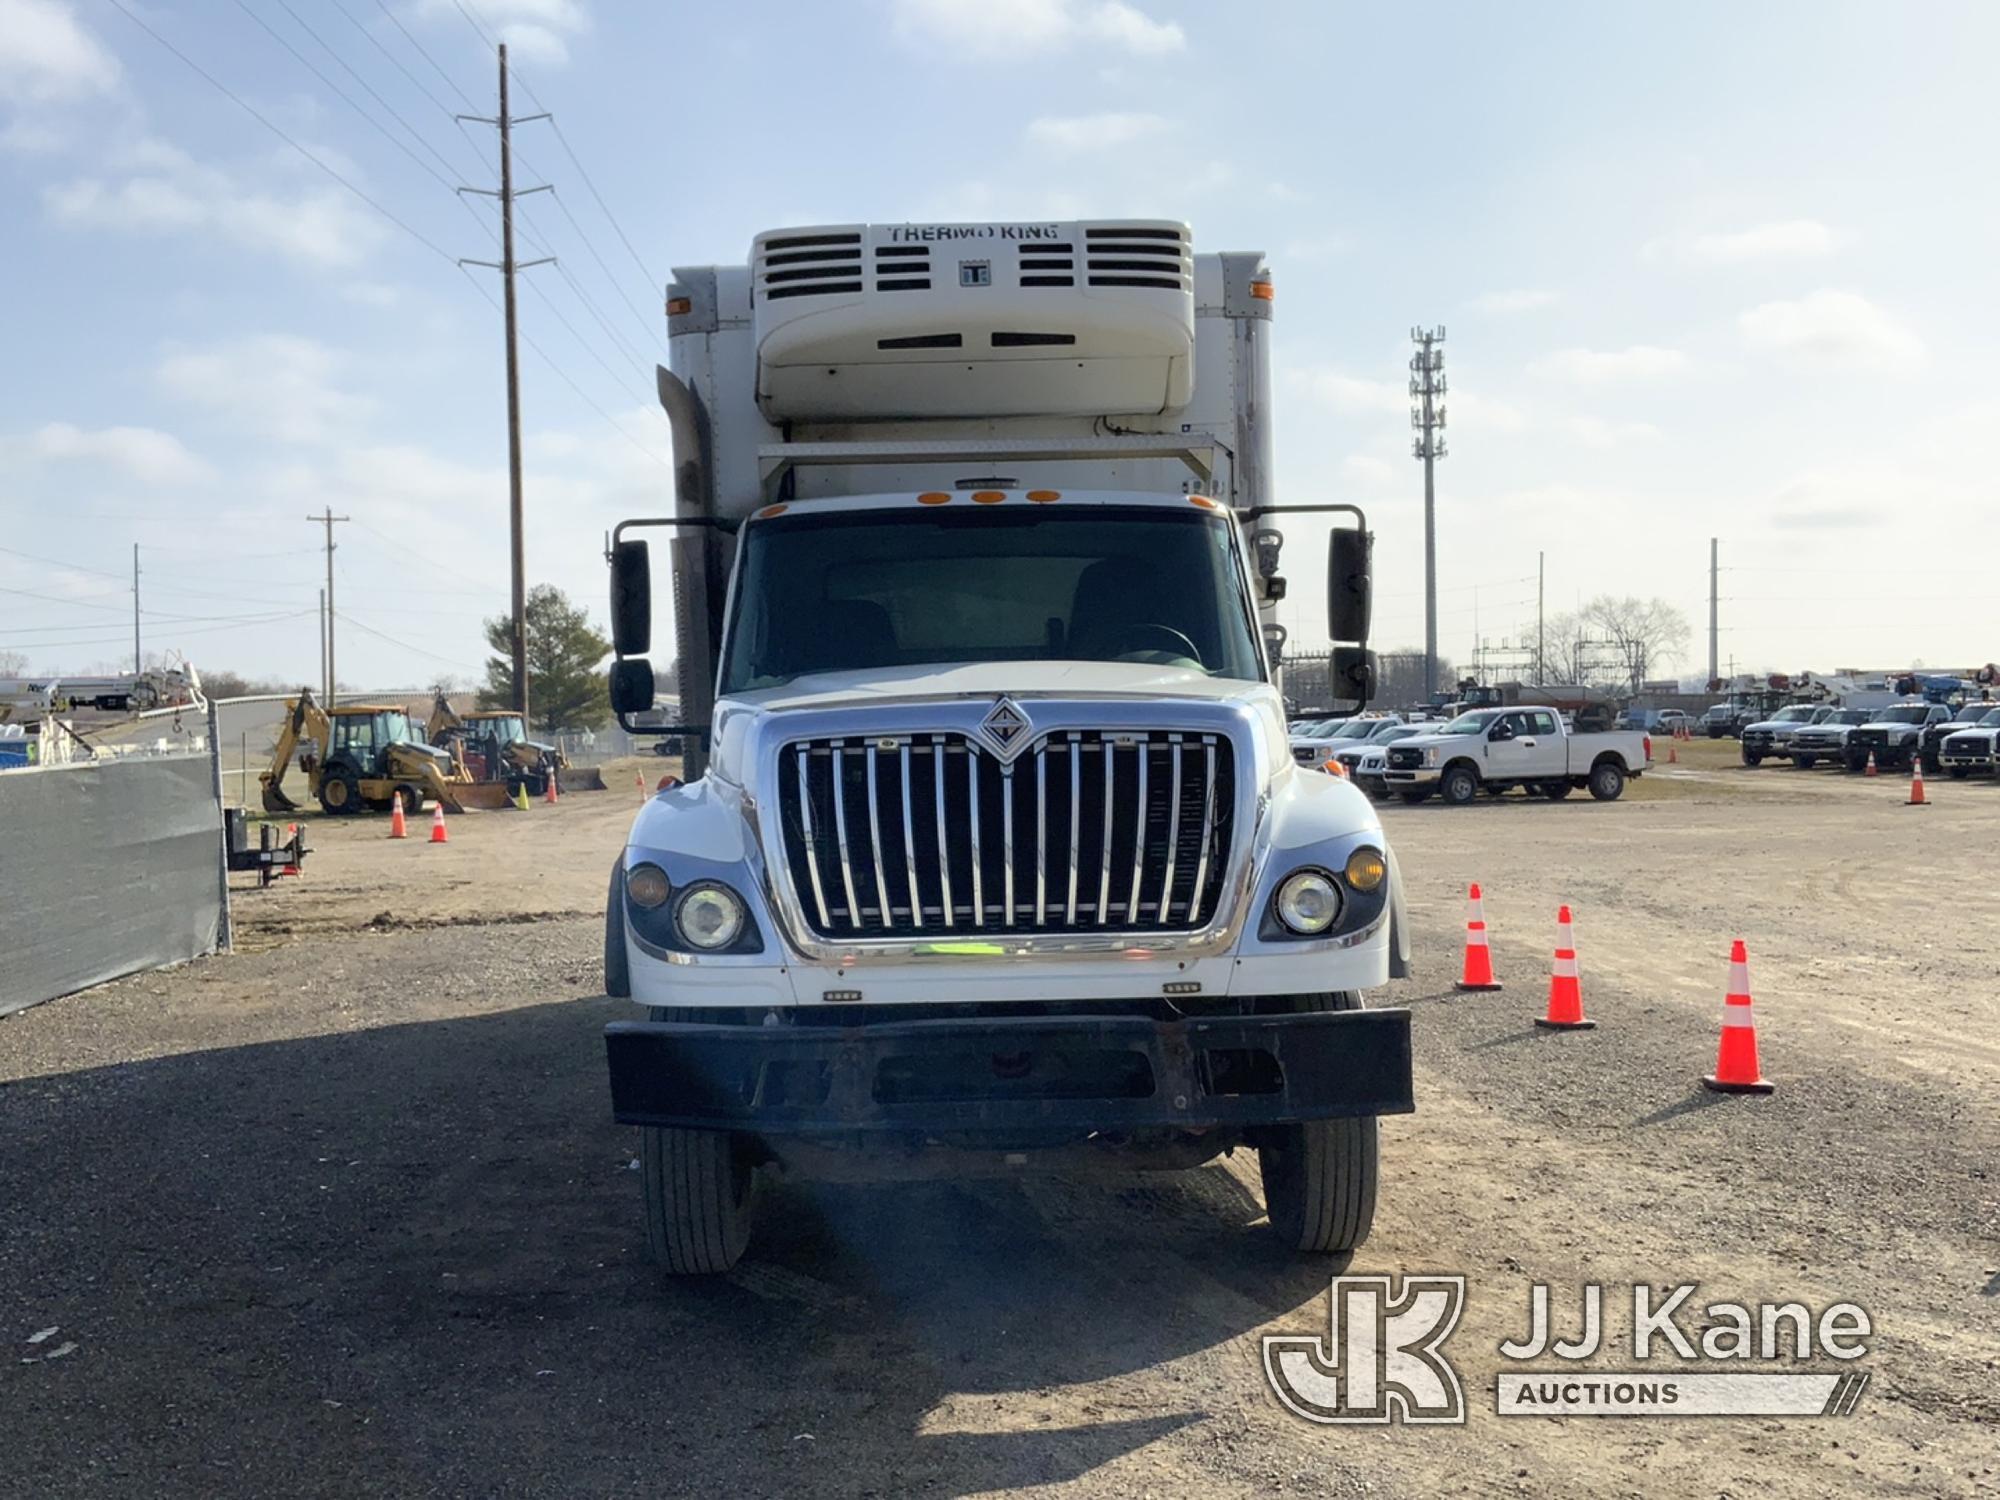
(1427, 388)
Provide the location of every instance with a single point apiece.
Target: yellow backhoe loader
(360, 755)
(492, 745)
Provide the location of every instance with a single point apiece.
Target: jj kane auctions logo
(1383, 1360)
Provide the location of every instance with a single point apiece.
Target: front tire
(1607, 781)
(1805, 762)
(699, 1190)
(340, 793)
(1320, 1176)
(1752, 758)
(1459, 785)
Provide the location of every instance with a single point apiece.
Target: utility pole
(1541, 594)
(507, 266)
(1427, 386)
(322, 640)
(138, 662)
(326, 609)
(1713, 664)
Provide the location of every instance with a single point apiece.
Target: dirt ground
(345, 1213)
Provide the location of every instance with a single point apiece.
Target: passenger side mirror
(632, 604)
(1353, 674)
(1347, 586)
(632, 679)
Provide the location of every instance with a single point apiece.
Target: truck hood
(1019, 679)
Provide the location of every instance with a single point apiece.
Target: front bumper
(1001, 1074)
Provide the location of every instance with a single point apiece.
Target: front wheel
(1607, 781)
(340, 792)
(1459, 785)
(1805, 762)
(1752, 758)
(1320, 1176)
(699, 1187)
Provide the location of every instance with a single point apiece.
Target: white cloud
(144, 453)
(1349, 393)
(270, 386)
(1364, 471)
(1071, 134)
(1837, 330)
(45, 55)
(537, 32)
(1010, 29)
(1469, 409)
(1781, 240)
(1605, 366)
(372, 293)
(1601, 432)
(160, 189)
(24, 137)
(1516, 301)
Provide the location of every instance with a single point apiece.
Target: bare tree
(1642, 636)
(13, 664)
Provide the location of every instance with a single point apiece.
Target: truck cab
(993, 851)
(1893, 736)
(1771, 737)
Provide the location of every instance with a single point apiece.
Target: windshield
(506, 730)
(1821, 715)
(850, 590)
(1913, 714)
(1991, 719)
(1851, 716)
(1356, 729)
(1468, 724)
(1792, 716)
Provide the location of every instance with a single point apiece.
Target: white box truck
(992, 851)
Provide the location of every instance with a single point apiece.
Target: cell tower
(1427, 388)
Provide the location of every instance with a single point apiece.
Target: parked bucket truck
(992, 853)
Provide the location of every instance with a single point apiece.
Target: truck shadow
(410, 1259)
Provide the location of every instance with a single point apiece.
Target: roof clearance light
(679, 306)
(1202, 500)
(772, 510)
(934, 497)
(988, 497)
(1263, 291)
(1043, 497)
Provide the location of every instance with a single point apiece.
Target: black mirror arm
(625, 723)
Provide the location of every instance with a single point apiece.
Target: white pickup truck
(1493, 749)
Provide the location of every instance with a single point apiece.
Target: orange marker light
(988, 497)
(1043, 497)
(1202, 500)
(934, 497)
(772, 510)
(679, 306)
(1263, 291)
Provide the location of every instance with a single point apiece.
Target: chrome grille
(923, 835)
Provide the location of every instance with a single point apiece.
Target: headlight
(1431, 755)
(647, 885)
(709, 916)
(1308, 903)
(1366, 869)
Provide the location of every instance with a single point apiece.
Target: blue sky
(1706, 269)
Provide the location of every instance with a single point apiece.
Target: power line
(419, 136)
(254, 114)
(395, 61)
(449, 661)
(451, 82)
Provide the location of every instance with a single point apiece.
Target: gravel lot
(344, 1213)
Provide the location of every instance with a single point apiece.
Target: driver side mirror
(632, 603)
(1347, 585)
(1501, 731)
(631, 685)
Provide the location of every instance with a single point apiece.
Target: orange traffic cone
(438, 835)
(1871, 771)
(1673, 755)
(640, 777)
(1736, 1070)
(1477, 973)
(292, 843)
(1565, 987)
(669, 781)
(1917, 798)
(549, 792)
(398, 829)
